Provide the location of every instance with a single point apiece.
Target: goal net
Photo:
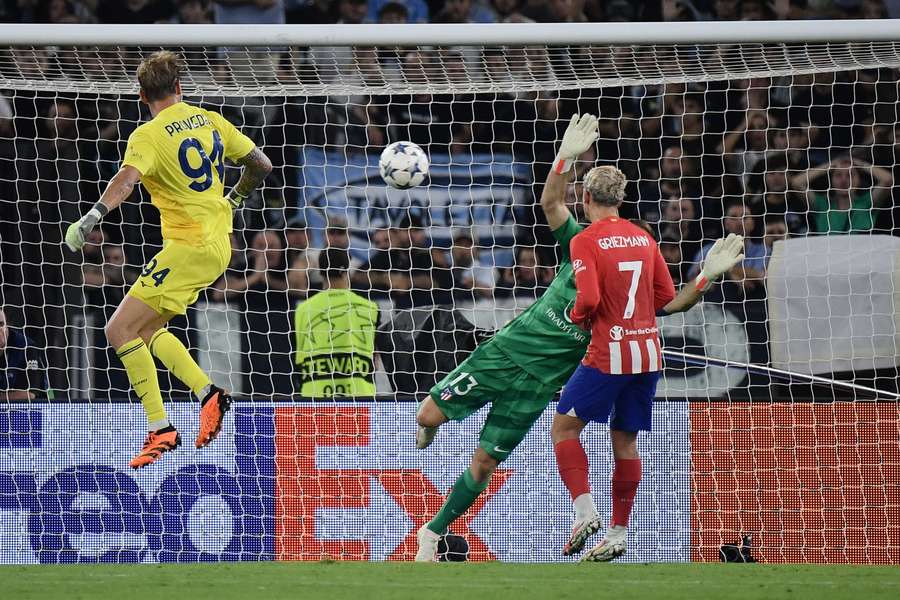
(777, 416)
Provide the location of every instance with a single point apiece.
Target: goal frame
(732, 32)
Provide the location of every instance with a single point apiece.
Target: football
(403, 165)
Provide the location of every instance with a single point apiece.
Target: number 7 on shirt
(634, 266)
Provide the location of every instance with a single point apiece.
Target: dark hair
(334, 262)
(396, 8)
(731, 203)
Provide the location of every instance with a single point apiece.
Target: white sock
(617, 533)
(584, 507)
(157, 425)
(205, 392)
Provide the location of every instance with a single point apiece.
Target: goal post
(778, 412)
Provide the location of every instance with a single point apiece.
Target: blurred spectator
(670, 248)
(749, 275)
(676, 178)
(356, 123)
(873, 9)
(848, 201)
(746, 145)
(508, 11)
(463, 11)
(471, 281)
(331, 62)
(262, 271)
(769, 186)
(392, 13)
(776, 230)
(93, 257)
(755, 10)
(410, 276)
(63, 11)
(248, 67)
(679, 225)
(313, 12)
(398, 11)
(527, 278)
(107, 282)
(135, 11)
(299, 260)
(22, 365)
(556, 11)
(192, 12)
(247, 12)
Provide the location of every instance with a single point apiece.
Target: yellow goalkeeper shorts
(172, 280)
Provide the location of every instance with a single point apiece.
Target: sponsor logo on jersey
(31, 364)
(617, 332)
(563, 324)
(623, 241)
(578, 265)
(568, 313)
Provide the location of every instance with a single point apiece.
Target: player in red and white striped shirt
(622, 281)
(623, 284)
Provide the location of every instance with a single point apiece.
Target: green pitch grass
(460, 581)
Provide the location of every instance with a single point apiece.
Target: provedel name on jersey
(193, 122)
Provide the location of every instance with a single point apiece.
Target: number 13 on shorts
(460, 385)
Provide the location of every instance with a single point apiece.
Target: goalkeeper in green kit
(521, 368)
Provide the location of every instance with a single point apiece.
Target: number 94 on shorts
(172, 280)
(488, 376)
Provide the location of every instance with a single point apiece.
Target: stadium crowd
(433, 11)
(767, 158)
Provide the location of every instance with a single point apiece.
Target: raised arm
(256, 167)
(580, 135)
(118, 189)
(721, 258)
(883, 180)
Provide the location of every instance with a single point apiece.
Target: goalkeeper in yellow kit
(179, 156)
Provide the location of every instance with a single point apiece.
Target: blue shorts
(625, 401)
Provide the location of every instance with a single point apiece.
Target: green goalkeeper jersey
(542, 340)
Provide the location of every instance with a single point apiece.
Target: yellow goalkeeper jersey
(181, 155)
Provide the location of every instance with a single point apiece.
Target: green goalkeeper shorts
(488, 376)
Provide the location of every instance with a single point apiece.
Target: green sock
(463, 495)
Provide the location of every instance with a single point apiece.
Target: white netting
(778, 141)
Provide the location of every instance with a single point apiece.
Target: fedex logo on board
(382, 508)
(299, 482)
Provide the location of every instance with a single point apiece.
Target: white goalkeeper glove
(580, 135)
(721, 258)
(78, 231)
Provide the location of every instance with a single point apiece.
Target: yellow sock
(172, 353)
(141, 371)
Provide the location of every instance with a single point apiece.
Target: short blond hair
(606, 185)
(158, 74)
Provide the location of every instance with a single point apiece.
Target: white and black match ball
(403, 165)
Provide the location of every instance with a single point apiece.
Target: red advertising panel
(302, 488)
(812, 482)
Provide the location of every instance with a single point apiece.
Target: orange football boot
(212, 412)
(156, 444)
